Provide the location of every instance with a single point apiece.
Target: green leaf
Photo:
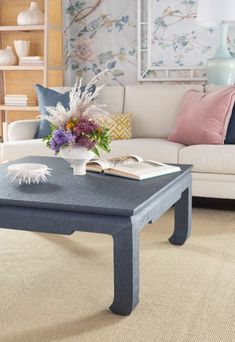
(118, 73)
(105, 56)
(70, 10)
(96, 151)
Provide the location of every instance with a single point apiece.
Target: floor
(58, 288)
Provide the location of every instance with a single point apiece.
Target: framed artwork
(171, 46)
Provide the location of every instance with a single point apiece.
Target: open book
(131, 167)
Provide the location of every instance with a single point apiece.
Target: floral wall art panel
(177, 48)
(101, 34)
(176, 38)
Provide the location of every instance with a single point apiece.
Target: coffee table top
(93, 193)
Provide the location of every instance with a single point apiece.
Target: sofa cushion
(61, 90)
(113, 98)
(203, 117)
(209, 158)
(155, 149)
(47, 98)
(154, 107)
(119, 126)
(230, 136)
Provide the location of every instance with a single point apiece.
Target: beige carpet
(58, 288)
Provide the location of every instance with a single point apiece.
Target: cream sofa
(154, 108)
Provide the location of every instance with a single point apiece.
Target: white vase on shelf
(7, 56)
(33, 16)
(22, 47)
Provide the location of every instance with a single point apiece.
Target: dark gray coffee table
(100, 204)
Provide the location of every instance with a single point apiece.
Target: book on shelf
(16, 104)
(31, 60)
(132, 166)
(15, 100)
(16, 96)
(31, 64)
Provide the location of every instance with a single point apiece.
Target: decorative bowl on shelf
(7, 56)
(28, 173)
(33, 16)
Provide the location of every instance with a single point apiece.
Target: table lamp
(219, 13)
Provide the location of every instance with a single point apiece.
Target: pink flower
(82, 51)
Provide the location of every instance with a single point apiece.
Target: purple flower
(59, 138)
(85, 142)
(54, 146)
(85, 126)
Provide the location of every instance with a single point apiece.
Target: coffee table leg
(183, 217)
(126, 272)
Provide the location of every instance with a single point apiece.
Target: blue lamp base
(221, 71)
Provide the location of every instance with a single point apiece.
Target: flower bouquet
(76, 132)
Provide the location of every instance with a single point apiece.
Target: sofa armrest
(22, 129)
(1, 157)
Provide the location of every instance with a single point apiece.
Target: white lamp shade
(213, 12)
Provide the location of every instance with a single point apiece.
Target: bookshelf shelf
(19, 108)
(20, 67)
(22, 28)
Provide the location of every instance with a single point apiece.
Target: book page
(138, 167)
(144, 168)
(124, 160)
(155, 162)
(103, 164)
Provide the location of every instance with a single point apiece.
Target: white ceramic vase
(22, 47)
(78, 158)
(33, 16)
(7, 56)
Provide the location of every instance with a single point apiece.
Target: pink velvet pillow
(204, 117)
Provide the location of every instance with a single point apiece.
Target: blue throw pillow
(48, 98)
(230, 136)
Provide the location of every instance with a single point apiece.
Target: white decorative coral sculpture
(28, 173)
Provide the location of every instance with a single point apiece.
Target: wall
(101, 34)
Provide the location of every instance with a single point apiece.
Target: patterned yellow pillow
(119, 126)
